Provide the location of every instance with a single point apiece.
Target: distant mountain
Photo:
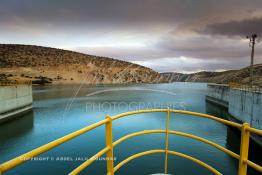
(238, 76)
(57, 66)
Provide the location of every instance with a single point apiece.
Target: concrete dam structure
(15, 100)
(244, 105)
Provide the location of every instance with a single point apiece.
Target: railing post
(242, 167)
(167, 132)
(109, 143)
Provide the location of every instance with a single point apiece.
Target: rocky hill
(237, 76)
(57, 66)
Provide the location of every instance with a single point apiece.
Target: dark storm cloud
(123, 13)
(236, 28)
(157, 33)
(208, 47)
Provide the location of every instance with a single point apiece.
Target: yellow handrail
(108, 150)
(42, 149)
(89, 161)
(167, 132)
(180, 134)
(169, 152)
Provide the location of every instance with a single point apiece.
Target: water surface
(60, 110)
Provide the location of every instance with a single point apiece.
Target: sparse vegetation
(42, 64)
(238, 76)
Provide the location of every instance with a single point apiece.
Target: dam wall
(15, 100)
(243, 105)
(218, 93)
(246, 106)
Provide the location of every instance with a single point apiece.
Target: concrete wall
(15, 97)
(246, 106)
(219, 93)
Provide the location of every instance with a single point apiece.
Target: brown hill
(237, 76)
(43, 64)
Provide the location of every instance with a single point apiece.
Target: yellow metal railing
(108, 150)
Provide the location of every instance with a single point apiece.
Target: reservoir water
(60, 110)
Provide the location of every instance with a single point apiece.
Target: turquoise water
(60, 110)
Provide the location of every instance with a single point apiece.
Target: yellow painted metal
(243, 158)
(89, 161)
(245, 134)
(255, 131)
(251, 164)
(169, 152)
(196, 161)
(226, 122)
(229, 123)
(167, 132)
(109, 143)
(231, 153)
(138, 112)
(118, 166)
(108, 150)
(27, 156)
(254, 165)
(180, 134)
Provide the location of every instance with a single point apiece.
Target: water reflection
(17, 127)
(14, 132)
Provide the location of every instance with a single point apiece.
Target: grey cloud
(236, 28)
(165, 27)
(201, 53)
(123, 13)
(200, 47)
(206, 47)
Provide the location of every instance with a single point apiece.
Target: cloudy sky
(166, 35)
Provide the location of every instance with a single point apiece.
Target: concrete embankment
(218, 93)
(243, 105)
(246, 106)
(15, 100)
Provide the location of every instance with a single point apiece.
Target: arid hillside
(237, 76)
(57, 66)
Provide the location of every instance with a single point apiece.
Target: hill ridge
(18, 61)
(238, 76)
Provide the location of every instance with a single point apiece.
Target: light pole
(252, 42)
